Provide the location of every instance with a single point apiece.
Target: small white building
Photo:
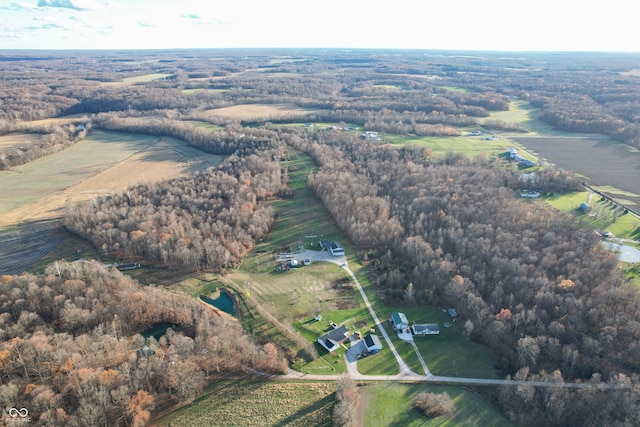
(425, 329)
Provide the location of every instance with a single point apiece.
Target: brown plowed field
(258, 111)
(605, 163)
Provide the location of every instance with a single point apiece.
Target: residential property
(399, 321)
(425, 329)
(332, 339)
(372, 342)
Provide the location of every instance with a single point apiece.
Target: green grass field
(49, 174)
(624, 226)
(390, 404)
(468, 145)
(447, 354)
(249, 402)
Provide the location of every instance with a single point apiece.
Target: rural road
(406, 374)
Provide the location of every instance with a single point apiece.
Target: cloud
(190, 16)
(18, 6)
(144, 24)
(80, 5)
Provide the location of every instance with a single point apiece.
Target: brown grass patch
(259, 111)
(167, 158)
(19, 139)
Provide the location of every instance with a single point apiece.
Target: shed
(453, 313)
(372, 342)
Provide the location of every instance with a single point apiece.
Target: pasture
(102, 163)
(259, 111)
(440, 145)
(19, 139)
(242, 402)
(611, 165)
(129, 81)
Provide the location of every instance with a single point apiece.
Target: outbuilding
(372, 342)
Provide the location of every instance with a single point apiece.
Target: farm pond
(223, 302)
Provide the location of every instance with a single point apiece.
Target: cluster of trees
(347, 397)
(226, 141)
(207, 221)
(532, 285)
(72, 352)
(433, 404)
(54, 138)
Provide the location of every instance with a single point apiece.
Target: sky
(512, 25)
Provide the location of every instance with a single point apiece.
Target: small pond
(157, 330)
(224, 302)
(625, 253)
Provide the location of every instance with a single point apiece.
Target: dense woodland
(207, 221)
(530, 284)
(72, 351)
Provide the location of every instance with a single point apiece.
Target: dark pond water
(157, 330)
(224, 302)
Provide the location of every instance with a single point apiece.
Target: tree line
(73, 355)
(54, 138)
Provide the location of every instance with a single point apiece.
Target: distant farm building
(399, 321)
(333, 247)
(371, 136)
(372, 342)
(425, 329)
(584, 207)
(530, 194)
(513, 155)
(332, 339)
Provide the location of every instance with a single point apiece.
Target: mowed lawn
(391, 404)
(39, 178)
(446, 354)
(250, 402)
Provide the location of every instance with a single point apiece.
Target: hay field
(101, 164)
(19, 139)
(259, 111)
(130, 81)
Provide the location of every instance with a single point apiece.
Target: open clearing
(19, 139)
(259, 111)
(605, 162)
(257, 403)
(390, 404)
(100, 164)
(129, 81)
